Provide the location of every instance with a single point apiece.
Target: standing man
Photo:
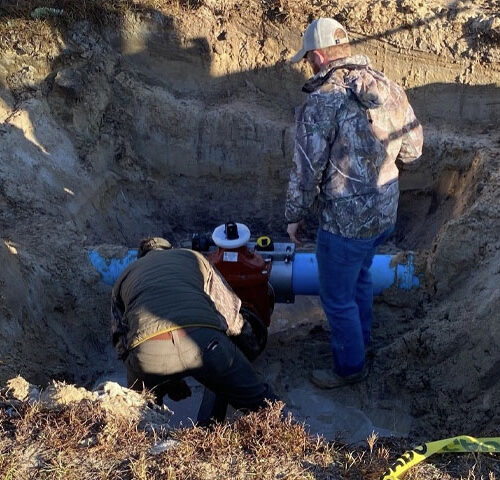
(172, 315)
(350, 132)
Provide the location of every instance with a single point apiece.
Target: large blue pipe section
(304, 272)
(384, 275)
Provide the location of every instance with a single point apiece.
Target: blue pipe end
(111, 269)
(305, 279)
(406, 278)
(383, 275)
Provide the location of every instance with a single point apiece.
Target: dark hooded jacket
(350, 132)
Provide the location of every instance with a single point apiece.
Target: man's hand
(292, 230)
(253, 336)
(178, 390)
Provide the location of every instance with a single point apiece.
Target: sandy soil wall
(176, 119)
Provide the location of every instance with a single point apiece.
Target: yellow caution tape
(449, 445)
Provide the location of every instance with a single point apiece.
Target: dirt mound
(123, 119)
(114, 400)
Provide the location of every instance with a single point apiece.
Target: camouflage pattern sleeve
(226, 302)
(311, 153)
(413, 138)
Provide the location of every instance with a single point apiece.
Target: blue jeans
(346, 292)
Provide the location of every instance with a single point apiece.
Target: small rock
(161, 447)
(46, 12)
(88, 442)
(113, 389)
(71, 81)
(20, 389)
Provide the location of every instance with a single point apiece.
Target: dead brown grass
(97, 11)
(80, 441)
(17, 27)
(83, 441)
(259, 445)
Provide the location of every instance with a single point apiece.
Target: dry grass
(77, 442)
(259, 445)
(17, 25)
(82, 441)
(97, 11)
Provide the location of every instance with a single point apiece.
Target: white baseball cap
(320, 33)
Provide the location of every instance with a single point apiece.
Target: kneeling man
(172, 316)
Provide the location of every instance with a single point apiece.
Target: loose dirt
(167, 118)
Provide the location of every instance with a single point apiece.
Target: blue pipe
(304, 271)
(305, 274)
(110, 269)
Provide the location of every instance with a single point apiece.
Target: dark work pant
(206, 354)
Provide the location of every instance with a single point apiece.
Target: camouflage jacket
(351, 130)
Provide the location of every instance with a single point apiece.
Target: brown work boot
(328, 379)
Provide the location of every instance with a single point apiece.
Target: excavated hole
(438, 190)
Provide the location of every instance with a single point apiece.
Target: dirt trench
(171, 121)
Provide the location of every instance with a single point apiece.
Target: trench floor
(298, 343)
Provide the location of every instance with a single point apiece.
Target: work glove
(253, 337)
(177, 390)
